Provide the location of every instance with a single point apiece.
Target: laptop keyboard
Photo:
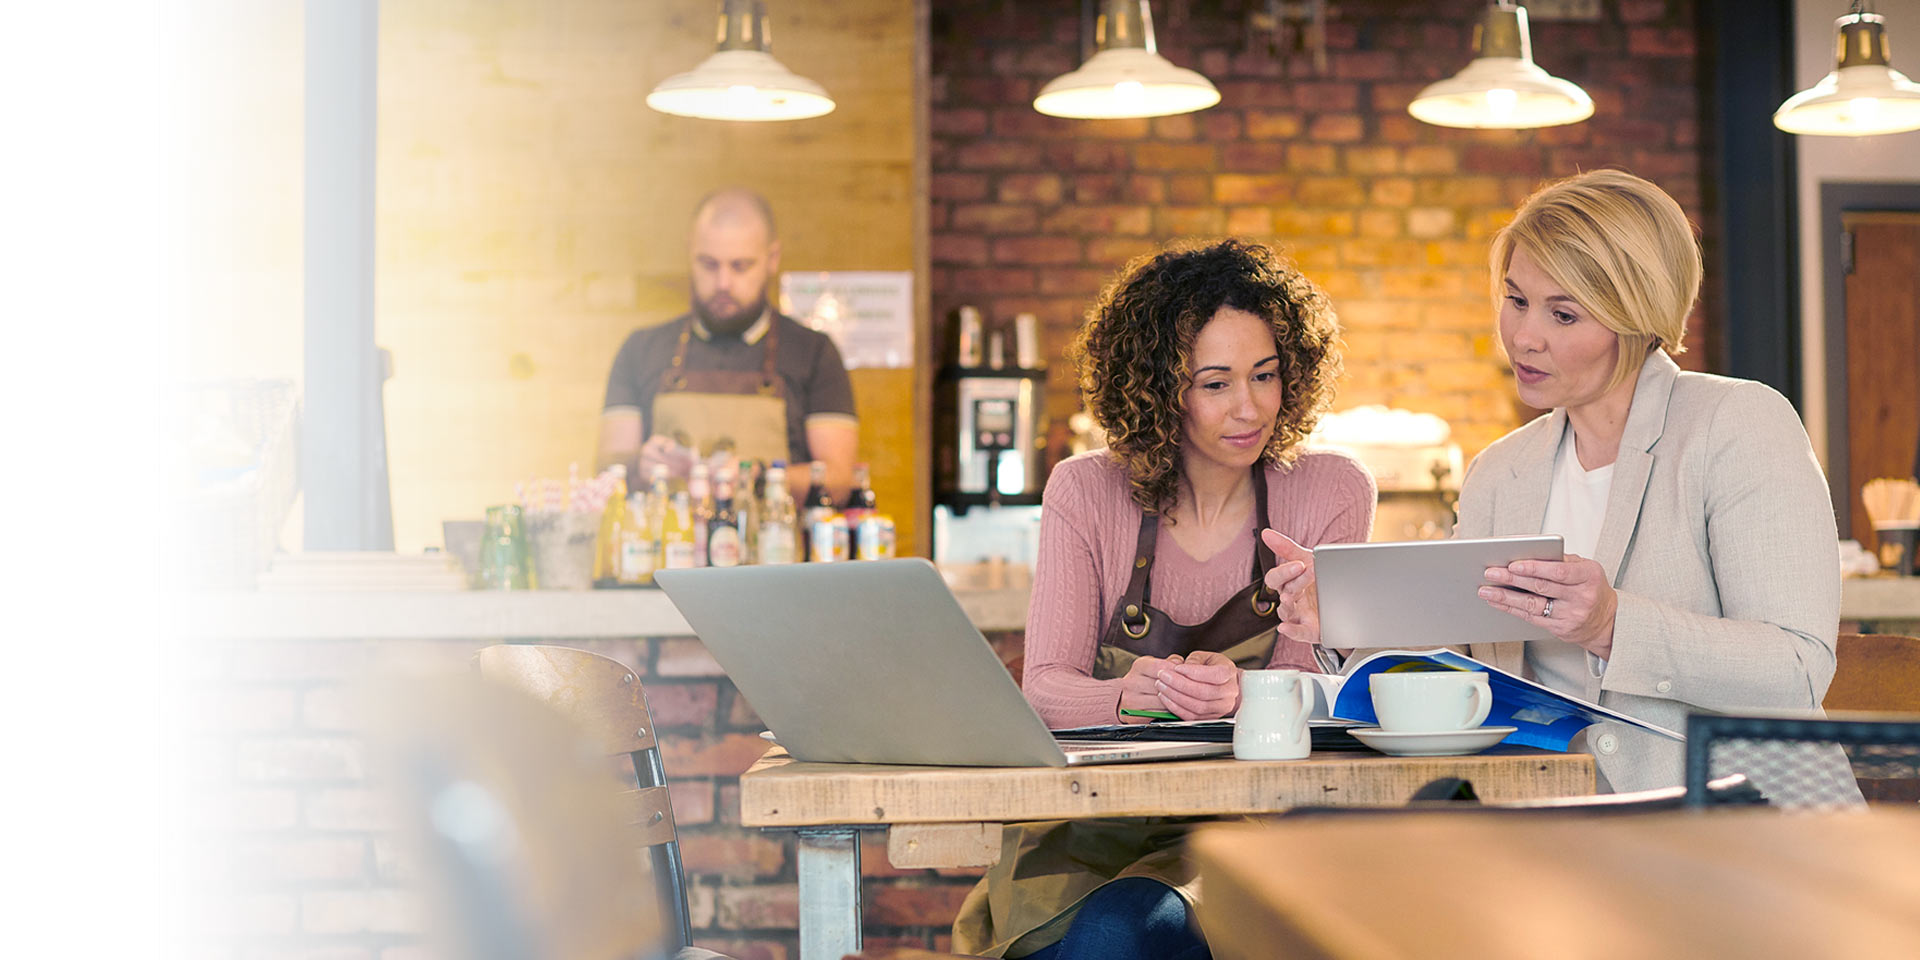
(1083, 738)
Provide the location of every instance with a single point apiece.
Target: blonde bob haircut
(1621, 248)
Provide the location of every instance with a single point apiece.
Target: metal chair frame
(1703, 730)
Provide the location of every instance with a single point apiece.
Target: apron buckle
(1273, 602)
(1146, 623)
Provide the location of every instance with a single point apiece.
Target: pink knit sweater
(1087, 533)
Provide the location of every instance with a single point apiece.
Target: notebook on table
(875, 662)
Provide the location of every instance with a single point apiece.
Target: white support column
(343, 445)
(829, 867)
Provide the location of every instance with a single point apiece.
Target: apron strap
(769, 371)
(1263, 555)
(1264, 600)
(1140, 583)
(1133, 605)
(674, 378)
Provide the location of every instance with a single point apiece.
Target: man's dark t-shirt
(816, 379)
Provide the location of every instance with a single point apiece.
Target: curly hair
(1135, 353)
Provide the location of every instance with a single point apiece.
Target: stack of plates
(346, 572)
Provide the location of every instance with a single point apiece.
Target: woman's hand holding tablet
(1571, 598)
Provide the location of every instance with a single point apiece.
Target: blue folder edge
(1544, 718)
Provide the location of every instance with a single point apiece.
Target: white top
(1576, 508)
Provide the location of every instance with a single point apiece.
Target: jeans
(1137, 918)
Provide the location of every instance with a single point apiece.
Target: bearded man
(733, 373)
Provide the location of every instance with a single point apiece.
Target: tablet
(1420, 592)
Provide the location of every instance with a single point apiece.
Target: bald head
(734, 252)
(735, 207)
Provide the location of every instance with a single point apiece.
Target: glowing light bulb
(1863, 109)
(1129, 90)
(1500, 102)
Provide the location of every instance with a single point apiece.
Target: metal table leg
(829, 866)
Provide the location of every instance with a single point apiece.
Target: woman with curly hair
(1168, 562)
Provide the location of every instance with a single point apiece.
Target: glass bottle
(676, 534)
(746, 510)
(504, 561)
(818, 506)
(700, 495)
(723, 528)
(616, 559)
(659, 500)
(861, 503)
(779, 541)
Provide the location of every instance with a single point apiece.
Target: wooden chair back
(603, 697)
(1876, 672)
(508, 815)
(1879, 673)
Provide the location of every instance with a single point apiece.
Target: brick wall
(284, 851)
(1391, 216)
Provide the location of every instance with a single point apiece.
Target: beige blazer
(1720, 540)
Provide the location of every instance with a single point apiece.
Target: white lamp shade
(1856, 101)
(1502, 93)
(740, 85)
(1126, 82)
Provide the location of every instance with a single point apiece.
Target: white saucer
(1438, 743)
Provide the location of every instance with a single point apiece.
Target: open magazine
(1545, 718)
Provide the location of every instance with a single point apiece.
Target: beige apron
(708, 409)
(1047, 869)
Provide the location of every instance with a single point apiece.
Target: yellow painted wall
(533, 212)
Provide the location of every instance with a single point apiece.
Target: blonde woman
(1701, 572)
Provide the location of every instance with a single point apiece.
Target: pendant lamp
(1127, 76)
(741, 81)
(1502, 88)
(1863, 95)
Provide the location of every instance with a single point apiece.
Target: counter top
(561, 614)
(483, 615)
(1880, 598)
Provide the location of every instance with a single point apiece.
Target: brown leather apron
(709, 409)
(1048, 868)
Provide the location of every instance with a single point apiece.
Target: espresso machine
(989, 417)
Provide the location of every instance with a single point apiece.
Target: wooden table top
(1748, 882)
(782, 792)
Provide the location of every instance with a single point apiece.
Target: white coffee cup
(1431, 701)
(1272, 721)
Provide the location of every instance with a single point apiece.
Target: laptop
(1420, 592)
(874, 662)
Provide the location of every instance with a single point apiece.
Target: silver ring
(1548, 612)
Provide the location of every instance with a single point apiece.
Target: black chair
(602, 696)
(1798, 761)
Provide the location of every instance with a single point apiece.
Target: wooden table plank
(781, 792)
(936, 845)
(1729, 883)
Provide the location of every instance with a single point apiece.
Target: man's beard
(733, 324)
